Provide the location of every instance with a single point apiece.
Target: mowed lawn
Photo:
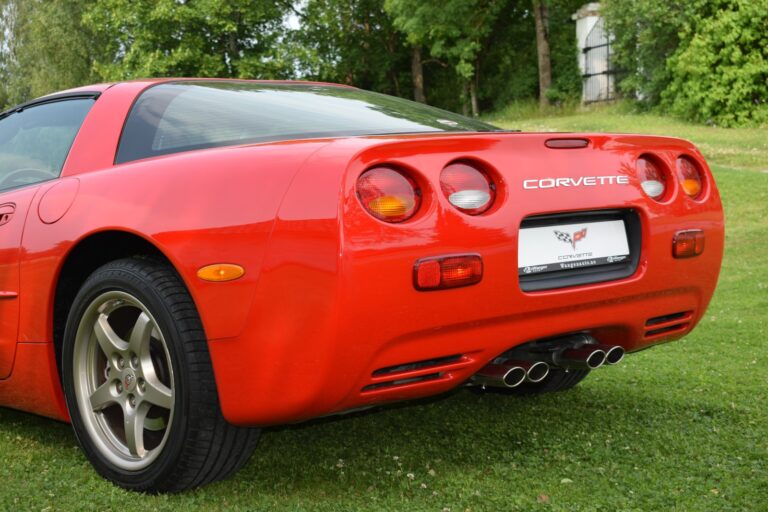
(681, 427)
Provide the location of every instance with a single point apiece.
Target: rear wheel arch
(87, 255)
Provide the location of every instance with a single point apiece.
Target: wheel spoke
(102, 397)
(140, 335)
(134, 428)
(108, 339)
(157, 393)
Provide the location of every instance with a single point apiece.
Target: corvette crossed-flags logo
(571, 239)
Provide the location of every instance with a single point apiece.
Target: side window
(35, 142)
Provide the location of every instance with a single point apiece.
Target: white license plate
(571, 246)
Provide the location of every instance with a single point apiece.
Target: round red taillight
(467, 188)
(652, 178)
(388, 194)
(690, 177)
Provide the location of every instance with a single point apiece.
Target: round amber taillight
(388, 194)
(690, 177)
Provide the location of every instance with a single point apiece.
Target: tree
(541, 17)
(719, 72)
(236, 38)
(645, 34)
(43, 48)
(454, 30)
(352, 42)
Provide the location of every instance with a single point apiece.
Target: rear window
(183, 116)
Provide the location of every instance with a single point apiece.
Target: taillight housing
(690, 177)
(687, 244)
(467, 187)
(388, 194)
(443, 272)
(653, 177)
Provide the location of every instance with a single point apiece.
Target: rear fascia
(352, 310)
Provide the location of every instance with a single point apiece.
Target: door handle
(6, 212)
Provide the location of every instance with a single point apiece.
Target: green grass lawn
(682, 427)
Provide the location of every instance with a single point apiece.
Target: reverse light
(388, 194)
(687, 244)
(467, 188)
(219, 272)
(652, 178)
(690, 177)
(447, 272)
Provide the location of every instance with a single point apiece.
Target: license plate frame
(609, 271)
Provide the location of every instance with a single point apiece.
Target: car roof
(94, 90)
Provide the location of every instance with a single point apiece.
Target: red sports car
(185, 261)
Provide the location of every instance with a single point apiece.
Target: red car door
(34, 144)
(14, 206)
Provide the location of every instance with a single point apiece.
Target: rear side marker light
(388, 194)
(687, 244)
(652, 178)
(447, 272)
(467, 188)
(689, 176)
(220, 272)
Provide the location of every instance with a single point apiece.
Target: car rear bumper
(337, 324)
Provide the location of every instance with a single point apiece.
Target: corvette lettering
(581, 181)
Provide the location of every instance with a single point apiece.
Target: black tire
(557, 380)
(193, 443)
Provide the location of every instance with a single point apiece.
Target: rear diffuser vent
(416, 372)
(402, 382)
(418, 365)
(668, 324)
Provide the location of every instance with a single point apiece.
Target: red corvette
(185, 261)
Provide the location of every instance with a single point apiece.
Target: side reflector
(220, 272)
(687, 244)
(447, 272)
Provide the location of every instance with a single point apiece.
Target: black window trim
(52, 98)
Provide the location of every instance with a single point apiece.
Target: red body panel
(327, 298)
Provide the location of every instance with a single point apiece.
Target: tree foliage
(44, 48)
(208, 38)
(351, 42)
(720, 73)
(705, 60)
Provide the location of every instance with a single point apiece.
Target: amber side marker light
(447, 272)
(219, 272)
(687, 244)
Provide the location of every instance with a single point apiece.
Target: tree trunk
(542, 49)
(417, 70)
(473, 98)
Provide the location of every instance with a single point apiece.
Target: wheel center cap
(129, 381)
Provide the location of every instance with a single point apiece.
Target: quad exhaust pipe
(510, 373)
(576, 352)
(588, 357)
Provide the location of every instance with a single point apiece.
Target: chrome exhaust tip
(537, 371)
(586, 357)
(504, 375)
(614, 355)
